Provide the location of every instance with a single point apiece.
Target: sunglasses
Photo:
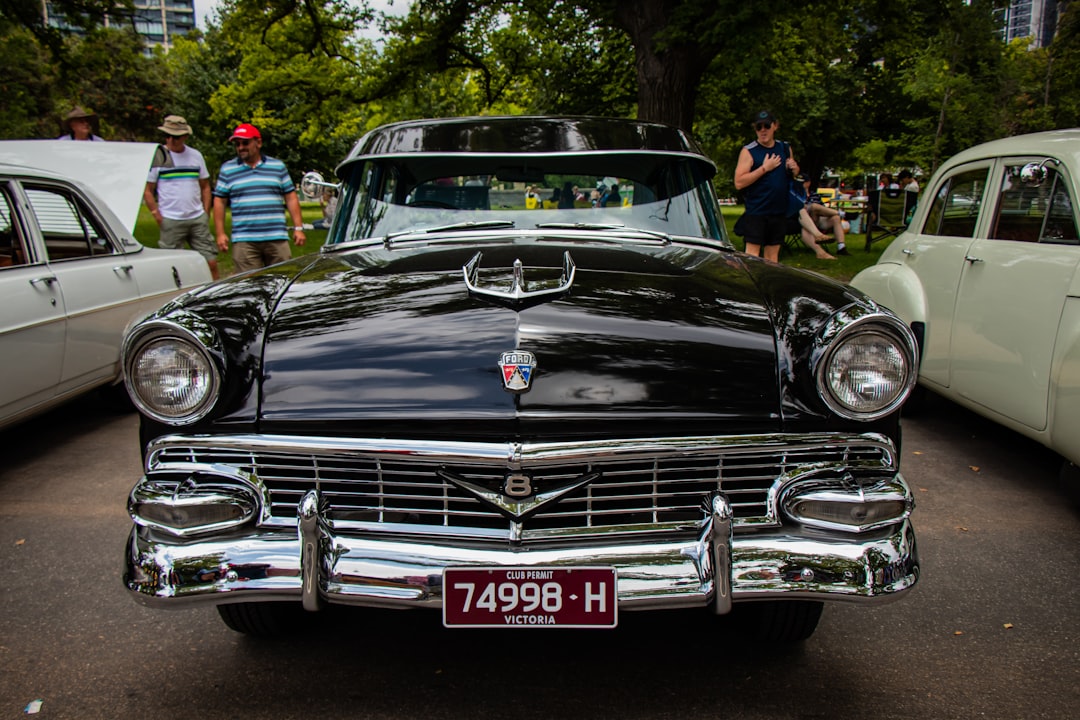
(762, 125)
(241, 143)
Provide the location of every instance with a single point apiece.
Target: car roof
(1061, 144)
(526, 136)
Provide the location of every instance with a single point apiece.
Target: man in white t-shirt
(178, 194)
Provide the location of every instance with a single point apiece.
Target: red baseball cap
(245, 131)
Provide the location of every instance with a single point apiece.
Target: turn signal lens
(187, 507)
(853, 514)
(180, 517)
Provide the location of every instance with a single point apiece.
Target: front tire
(261, 619)
(783, 621)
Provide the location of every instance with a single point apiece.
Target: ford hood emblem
(517, 369)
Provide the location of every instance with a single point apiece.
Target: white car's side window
(1042, 213)
(68, 230)
(12, 251)
(955, 210)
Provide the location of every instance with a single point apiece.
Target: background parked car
(72, 276)
(986, 276)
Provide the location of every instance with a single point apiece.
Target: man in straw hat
(178, 194)
(80, 124)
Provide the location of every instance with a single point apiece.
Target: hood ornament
(517, 369)
(514, 506)
(517, 297)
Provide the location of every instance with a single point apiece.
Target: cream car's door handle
(126, 269)
(972, 260)
(48, 280)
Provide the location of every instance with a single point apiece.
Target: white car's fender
(896, 287)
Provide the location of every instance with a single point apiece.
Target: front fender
(896, 287)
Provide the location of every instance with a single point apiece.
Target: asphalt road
(990, 631)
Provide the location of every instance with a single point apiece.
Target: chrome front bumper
(316, 564)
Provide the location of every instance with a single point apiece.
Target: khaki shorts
(196, 233)
(253, 255)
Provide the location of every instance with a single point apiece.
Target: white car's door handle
(972, 260)
(48, 280)
(908, 252)
(126, 269)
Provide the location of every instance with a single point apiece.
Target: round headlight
(867, 374)
(172, 380)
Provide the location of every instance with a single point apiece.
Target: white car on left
(72, 275)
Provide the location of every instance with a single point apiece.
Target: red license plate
(521, 597)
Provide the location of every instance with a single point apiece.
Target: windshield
(655, 194)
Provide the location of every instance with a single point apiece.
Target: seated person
(801, 222)
(823, 217)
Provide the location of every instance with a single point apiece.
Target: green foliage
(26, 87)
(859, 85)
(130, 91)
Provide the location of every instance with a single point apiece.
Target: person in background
(907, 181)
(328, 203)
(566, 197)
(825, 217)
(80, 124)
(258, 189)
(799, 220)
(763, 171)
(532, 198)
(177, 194)
(886, 182)
(612, 197)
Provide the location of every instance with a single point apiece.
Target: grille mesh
(627, 494)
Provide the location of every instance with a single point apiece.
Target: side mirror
(313, 182)
(1034, 174)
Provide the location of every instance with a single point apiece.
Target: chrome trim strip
(519, 455)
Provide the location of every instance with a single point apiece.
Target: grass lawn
(146, 232)
(843, 268)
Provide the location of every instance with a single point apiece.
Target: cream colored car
(986, 276)
(72, 275)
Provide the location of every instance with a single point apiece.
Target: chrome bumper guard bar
(317, 564)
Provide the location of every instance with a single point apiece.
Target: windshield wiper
(453, 227)
(604, 226)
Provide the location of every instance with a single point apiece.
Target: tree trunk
(668, 72)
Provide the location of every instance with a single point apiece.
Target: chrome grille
(632, 492)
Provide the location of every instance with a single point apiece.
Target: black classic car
(522, 411)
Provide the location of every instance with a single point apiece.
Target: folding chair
(887, 211)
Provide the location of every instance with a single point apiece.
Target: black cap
(763, 116)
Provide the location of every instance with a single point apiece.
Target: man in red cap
(257, 188)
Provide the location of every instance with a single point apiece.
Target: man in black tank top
(763, 172)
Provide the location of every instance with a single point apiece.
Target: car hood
(398, 337)
(115, 171)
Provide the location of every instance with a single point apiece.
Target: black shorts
(764, 229)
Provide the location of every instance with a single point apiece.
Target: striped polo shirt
(256, 197)
(179, 194)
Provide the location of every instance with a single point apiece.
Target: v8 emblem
(517, 485)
